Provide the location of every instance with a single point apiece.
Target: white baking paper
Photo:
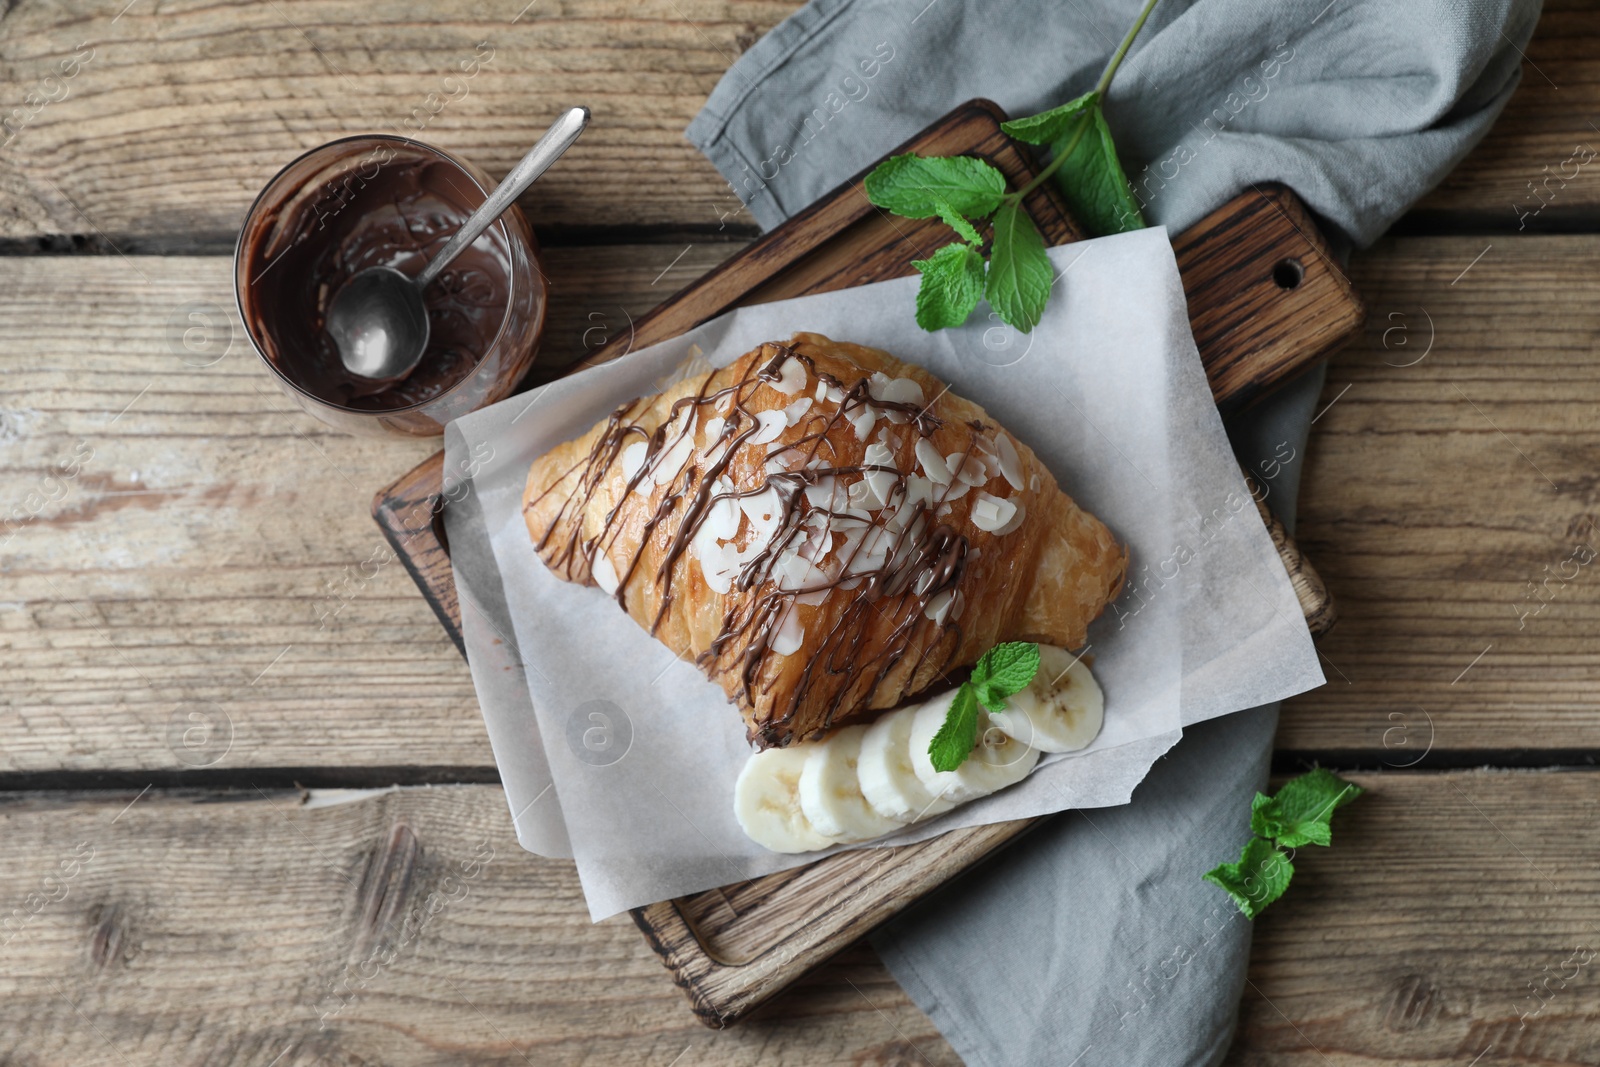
(620, 755)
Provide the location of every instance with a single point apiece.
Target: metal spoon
(378, 319)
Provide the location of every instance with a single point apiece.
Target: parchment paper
(620, 755)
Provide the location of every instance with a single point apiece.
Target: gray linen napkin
(1095, 940)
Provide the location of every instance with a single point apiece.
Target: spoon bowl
(378, 319)
(380, 324)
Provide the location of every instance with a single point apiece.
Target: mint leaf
(952, 285)
(1264, 822)
(1003, 670)
(953, 220)
(1020, 274)
(915, 186)
(1091, 177)
(1259, 878)
(959, 735)
(1050, 126)
(1300, 812)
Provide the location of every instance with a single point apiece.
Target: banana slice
(766, 801)
(1062, 708)
(998, 761)
(830, 792)
(887, 778)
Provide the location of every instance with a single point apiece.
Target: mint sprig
(1297, 815)
(1003, 670)
(962, 191)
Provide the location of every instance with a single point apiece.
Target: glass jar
(383, 200)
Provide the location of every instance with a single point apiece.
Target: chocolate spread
(394, 206)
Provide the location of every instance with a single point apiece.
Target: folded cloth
(1094, 941)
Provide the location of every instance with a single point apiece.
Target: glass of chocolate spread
(380, 200)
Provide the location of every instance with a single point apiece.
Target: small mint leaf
(954, 220)
(1003, 670)
(1261, 821)
(1049, 126)
(1259, 878)
(958, 736)
(915, 186)
(1020, 274)
(952, 285)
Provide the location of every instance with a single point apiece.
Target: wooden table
(248, 810)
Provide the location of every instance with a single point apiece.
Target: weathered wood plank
(177, 538)
(402, 928)
(173, 117)
(1425, 522)
(222, 928)
(109, 152)
(1451, 504)
(1417, 936)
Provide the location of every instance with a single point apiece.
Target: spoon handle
(556, 140)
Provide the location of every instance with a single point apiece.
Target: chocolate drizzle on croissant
(762, 510)
(924, 559)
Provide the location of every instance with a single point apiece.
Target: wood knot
(1411, 1004)
(107, 930)
(385, 885)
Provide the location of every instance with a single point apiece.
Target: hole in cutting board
(1288, 273)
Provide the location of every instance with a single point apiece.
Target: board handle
(1316, 603)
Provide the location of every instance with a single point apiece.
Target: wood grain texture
(734, 948)
(113, 157)
(220, 928)
(1266, 298)
(400, 928)
(212, 555)
(1450, 502)
(181, 113)
(1416, 938)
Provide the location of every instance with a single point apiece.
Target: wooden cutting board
(1265, 301)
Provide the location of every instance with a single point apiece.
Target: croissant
(823, 529)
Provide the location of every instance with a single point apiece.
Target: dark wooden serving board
(1265, 301)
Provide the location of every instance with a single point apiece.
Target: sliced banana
(867, 781)
(998, 760)
(888, 780)
(766, 801)
(830, 791)
(1061, 710)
